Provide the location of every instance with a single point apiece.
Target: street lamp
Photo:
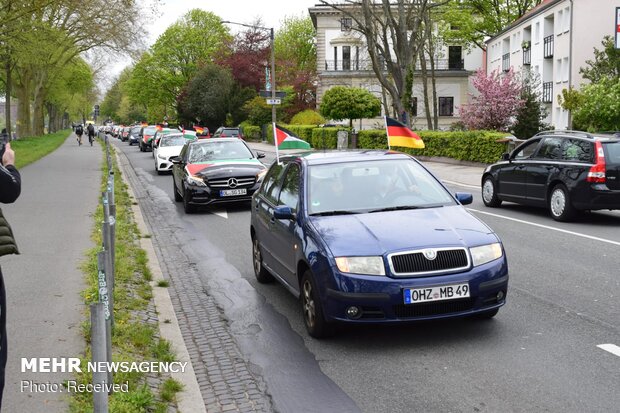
(273, 64)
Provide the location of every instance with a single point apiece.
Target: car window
(612, 153)
(150, 130)
(183, 153)
(578, 150)
(219, 150)
(271, 187)
(551, 148)
(289, 195)
(526, 150)
(174, 140)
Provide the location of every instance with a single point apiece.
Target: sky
(272, 13)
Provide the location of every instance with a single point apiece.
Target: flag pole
(275, 142)
(386, 132)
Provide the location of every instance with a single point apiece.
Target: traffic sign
(267, 94)
(273, 101)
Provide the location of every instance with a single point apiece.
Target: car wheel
(489, 195)
(487, 315)
(559, 204)
(189, 208)
(177, 197)
(141, 147)
(262, 275)
(312, 309)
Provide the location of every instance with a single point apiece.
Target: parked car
(125, 133)
(210, 171)
(169, 146)
(158, 134)
(564, 171)
(223, 132)
(146, 137)
(373, 237)
(134, 134)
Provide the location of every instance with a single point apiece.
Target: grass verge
(133, 339)
(29, 150)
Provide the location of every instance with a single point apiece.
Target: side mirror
(260, 155)
(283, 212)
(506, 156)
(464, 198)
(176, 160)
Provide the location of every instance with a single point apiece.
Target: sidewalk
(52, 221)
(467, 174)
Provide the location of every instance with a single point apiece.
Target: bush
(251, 132)
(326, 138)
(308, 117)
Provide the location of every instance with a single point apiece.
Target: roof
(535, 11)
(333, 156)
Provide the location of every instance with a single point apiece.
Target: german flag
(199, 130)
(400, 135)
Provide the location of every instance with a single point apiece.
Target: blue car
(373, 237)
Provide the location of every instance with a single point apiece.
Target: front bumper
(200, 195)
(381, 299)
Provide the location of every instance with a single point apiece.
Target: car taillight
(596, 174)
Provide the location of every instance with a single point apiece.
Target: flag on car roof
(285, 139)
(159, 127)
(199, 129)
(400, 135)
(144, 124)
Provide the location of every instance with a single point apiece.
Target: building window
(335, 58)
(446, 106)
(455, 61)
(548, 47)
(565, 70)
(414, 106)
(357, 58)
(547, 96)
(346, 23)
(346, 57)
(506, 62)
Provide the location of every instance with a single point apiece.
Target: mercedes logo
(430, 254)
(232, 183)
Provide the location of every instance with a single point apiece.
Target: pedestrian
(79, 130)
(10, 188)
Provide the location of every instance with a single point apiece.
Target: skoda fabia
(373, 237)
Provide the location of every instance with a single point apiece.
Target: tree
(531, 116)
(394, 35)
(599, 106)
(341, 102)
(497, 103)
(606, 62)
(308, 117)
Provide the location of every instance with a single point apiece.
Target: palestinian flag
(400, 135)
(199, 130)
(285, 139)
(159, 127)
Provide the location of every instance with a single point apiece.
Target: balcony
(506, 62)
(365, 65)
(548, 47)
(527, 57)
(547, 95)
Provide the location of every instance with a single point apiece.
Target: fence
(102, 312)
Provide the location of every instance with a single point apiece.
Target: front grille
(433, 308)
(415, 262)
(242, 182)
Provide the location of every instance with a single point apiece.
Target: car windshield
(373, 186)
(150, 130)
(217, 150)
(135, 131)
(172, 140)
(230, 132)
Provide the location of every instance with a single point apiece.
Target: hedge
(474, 146)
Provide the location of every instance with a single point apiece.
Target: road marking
(221, 213)
(612, 348)
(460, 184)
(578, 234)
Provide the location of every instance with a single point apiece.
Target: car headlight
(195, 180)
(161, 157)
(261, 175)
(485, 253)
(361, 265)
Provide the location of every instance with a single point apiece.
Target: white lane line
(578, 234)
(460, 184)
(612, 348)
(221, 213)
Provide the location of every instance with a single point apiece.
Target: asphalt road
(539, 354)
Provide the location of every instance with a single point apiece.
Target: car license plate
(444, 292)
(233, 192)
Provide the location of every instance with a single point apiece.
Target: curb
(190, 398)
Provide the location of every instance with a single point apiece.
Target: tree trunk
(8, 97)
(424, 72)
(434, 91)
(38, 114)
(23, 109)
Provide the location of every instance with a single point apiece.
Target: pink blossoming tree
(497, 103)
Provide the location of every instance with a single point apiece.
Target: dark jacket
(10, 188)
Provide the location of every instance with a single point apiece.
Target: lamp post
(273, 64)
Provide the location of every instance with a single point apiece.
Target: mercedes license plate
(444, 292)
(233, 192)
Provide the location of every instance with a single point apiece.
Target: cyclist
(91, 133)
(79, 130)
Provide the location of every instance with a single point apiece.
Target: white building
(343, 60)
(554, 40)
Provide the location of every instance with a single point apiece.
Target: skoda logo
(430, 254)
(232, 183)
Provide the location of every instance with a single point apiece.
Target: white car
(169, 146)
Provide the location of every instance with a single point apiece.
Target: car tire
(560, 205)
(487, 315)
(489, 194)
(177, 196)
(187, 207)
(312, 309)
(141, 147)
(262, 275)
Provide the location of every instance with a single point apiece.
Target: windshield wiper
(404, 207)
(329, 213)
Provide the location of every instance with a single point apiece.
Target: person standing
(10, 188)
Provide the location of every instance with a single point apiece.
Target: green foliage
(599, 108)
(308, 117)
(341, 102)
(304, 132)
(28, 150)
(251, 132)
(531, 116)
(258, 111)
(606, 62)
(325, 138)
